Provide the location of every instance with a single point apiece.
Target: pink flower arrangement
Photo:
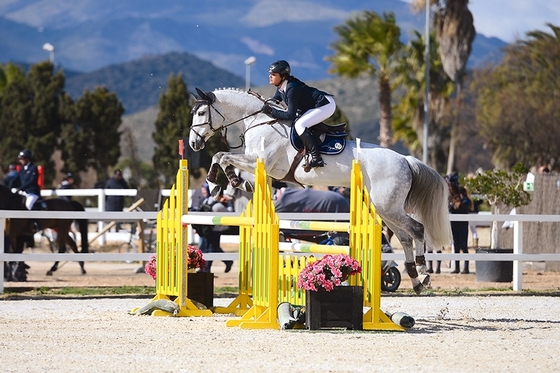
(151, 266)
(328, 272)
(196, 261)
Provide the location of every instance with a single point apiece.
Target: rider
(28, 179)
(312, 105)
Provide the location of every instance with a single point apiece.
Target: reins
(223, 128)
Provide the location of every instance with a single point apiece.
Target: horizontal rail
(313, 248)
(314, 225)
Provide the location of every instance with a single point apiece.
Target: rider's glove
(267, 109)
(15, 190)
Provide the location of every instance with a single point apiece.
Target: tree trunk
(454, 127)
(385, 126)
(495, 237)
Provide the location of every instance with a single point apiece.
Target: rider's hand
(267, 109)
(15, 190)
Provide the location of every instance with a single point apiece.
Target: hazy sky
(511, 19)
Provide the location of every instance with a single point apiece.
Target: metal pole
(247, 77)
(427, 93)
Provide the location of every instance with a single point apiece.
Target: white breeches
(30, 199)
(315, 116)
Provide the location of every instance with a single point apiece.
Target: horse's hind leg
(413, 264)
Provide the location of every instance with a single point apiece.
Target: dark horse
(20, 229)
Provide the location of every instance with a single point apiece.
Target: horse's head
(223, 108)
(201, 128)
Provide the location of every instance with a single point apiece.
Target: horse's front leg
(228, 162)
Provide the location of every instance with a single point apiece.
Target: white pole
(427, 94)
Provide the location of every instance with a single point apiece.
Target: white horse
(396, 183)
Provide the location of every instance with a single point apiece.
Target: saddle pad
(330, 145)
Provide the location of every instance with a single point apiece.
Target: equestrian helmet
(25, 153)
(281, 67)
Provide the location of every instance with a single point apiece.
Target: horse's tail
(82, 225)
(427, 200)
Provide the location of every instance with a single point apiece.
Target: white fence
(517, 257)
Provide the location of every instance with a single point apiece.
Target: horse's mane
(242, 97)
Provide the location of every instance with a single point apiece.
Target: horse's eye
(201, 113)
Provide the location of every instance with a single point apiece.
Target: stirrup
(316, 163)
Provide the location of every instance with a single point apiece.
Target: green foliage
(173, 123)
(370, 44)
(408, 118)
(501, 187)
(30, 117)
(517, 106)
(91, 136)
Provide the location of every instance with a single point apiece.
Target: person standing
(116, 203)
(308, 104)
(459, 203)
(212, 234)
(27, 180)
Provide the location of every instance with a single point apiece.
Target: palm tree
(369, 44)
(455, 32)
(409, 110)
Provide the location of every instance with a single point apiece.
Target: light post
(49, 48)
(248, 62)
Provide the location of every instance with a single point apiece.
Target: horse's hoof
(216, 191)
(83, 271)
(425, 280)
(418, 288)
(247, 186)
(49, 273)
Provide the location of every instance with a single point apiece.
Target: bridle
(208, 99)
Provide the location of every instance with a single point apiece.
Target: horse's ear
(211, 97)
(201, 95)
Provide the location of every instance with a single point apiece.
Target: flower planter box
(201, 288)
(340, 308)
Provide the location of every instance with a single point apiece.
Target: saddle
(331, 138)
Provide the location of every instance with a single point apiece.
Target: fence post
(517, 249)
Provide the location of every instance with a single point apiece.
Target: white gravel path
(452, 334)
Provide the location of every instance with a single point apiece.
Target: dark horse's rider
(27, 180)
(312, 105)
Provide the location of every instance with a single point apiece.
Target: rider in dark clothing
(28, 179)
(312, 105)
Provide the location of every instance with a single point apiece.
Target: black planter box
(341, 307)
(494, 271)
(201, 288)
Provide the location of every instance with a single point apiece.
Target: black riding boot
(312, 148)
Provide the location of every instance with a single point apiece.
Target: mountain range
(88, 35)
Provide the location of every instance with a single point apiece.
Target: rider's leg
(30, 200)
(309, 119)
